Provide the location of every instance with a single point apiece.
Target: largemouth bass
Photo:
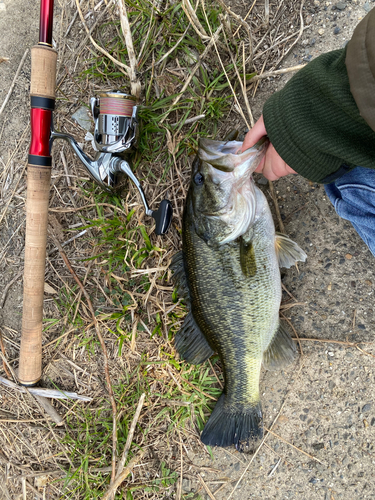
(228, 273)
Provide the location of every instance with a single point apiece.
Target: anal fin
(191, 344)
(287, 251)
(281, 352)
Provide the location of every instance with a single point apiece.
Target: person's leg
(353, 196)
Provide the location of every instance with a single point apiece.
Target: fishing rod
(116, 135)
(42, 101)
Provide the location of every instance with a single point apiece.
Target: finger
(260, 167)
(253, 136)
(270, 170)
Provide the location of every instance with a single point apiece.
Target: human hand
(272, 165)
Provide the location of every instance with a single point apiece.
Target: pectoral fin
(281, 352)
(287, 251)
(247, 258)
(191, 344)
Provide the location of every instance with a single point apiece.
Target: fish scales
(234, 288)
(228, 306)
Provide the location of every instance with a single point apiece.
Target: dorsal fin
(190, 342)
(179, 275)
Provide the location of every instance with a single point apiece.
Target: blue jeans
(353, 196)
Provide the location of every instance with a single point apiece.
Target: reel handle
(163, 217)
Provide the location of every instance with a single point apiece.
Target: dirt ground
(323, 408)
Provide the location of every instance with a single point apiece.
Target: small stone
(321, 31)
(372, 422)
(309, 19)
(368, 282)
(361, 327)
(341, 6)
(186, 485)
(365, 423)
(348, 256)
(367, 7)
(329, 287)
(237, 466)
(318, 446)
(313, 480)
(82, 117)
(262, 181)
(336, 31)
(366, 408)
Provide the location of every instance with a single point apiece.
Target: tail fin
(227, 427)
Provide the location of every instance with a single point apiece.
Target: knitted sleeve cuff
(314, 122)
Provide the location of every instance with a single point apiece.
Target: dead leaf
(48, 289)
(41, 481)
(171, 143)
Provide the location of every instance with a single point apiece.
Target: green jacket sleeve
(314, 122)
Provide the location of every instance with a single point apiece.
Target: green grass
(89, 429)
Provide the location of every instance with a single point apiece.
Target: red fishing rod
(116, 130)
(42, 93)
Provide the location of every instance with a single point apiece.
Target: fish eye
(198, 179)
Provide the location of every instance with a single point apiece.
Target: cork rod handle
(43, 71)
(38, 188)
(42, 90)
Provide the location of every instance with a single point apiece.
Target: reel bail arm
(163, 215)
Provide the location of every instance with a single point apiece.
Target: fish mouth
(261, 141)
(226, 158)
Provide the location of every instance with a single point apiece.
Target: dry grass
(121, 264)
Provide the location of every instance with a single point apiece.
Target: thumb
(253, 136)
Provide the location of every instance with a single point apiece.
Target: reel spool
(116, 122)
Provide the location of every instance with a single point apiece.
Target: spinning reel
(115, 137)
